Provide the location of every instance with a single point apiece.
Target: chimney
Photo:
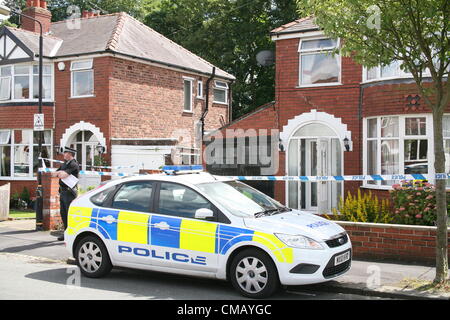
(38, 10)
(90, 14)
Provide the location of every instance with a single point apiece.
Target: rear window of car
(100, 198)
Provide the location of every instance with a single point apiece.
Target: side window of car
(178, 200)
(100, 198)
(134, 196)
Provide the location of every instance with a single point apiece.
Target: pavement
(366, 278)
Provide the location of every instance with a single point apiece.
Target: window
(21, 82)
(82, 78)
(390, 71)
(397, 145)
(220, 92)
(187, 95)
(19, 152)
(135, 196)
(100, 198)
(318, 63)
(200, 89)
(5, 153)
(46, 82)
(180, 201)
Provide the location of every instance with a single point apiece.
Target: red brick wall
(147, 102)
(393, 242)
(93, 109)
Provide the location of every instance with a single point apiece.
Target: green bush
(362, 208)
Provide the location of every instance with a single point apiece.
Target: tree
(229, 34)
(415, 33)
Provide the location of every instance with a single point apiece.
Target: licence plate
(342, 258)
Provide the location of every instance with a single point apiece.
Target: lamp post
(39, 196)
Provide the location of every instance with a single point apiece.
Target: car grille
(337, 242)
(331, 270)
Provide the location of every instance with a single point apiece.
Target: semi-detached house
(336, 117)
(114, 89)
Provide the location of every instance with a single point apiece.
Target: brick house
(114, 89)
(322, 100)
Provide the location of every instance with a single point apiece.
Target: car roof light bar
(183, 169)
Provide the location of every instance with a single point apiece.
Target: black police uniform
(66, 194)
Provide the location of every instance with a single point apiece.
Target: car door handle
(162, 225)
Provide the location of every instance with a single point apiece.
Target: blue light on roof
(184, 168)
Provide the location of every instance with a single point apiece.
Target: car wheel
(92, 257)
(254, 274)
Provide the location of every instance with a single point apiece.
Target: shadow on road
(36, 245)
(143, 284)
(153, 285)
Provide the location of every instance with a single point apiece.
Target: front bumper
(314, 266)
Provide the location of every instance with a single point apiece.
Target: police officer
(67, 194)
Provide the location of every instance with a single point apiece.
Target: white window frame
(31, 145)
(218, 86)
(31, 83)
(74, 70)
(200, 89)
(191, 100)
(401, 138)
(399, 74)
(314, 51)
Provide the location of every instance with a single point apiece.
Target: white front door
(85, 145)
(323, 169)
(314, 156)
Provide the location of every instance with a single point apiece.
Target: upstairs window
(21, 82)
(220, 92)
(188, 95)
(200, 89)
(318, 65)
(82, 78)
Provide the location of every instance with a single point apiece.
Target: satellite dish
(265, 58)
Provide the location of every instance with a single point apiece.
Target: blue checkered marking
(108, 230)
(165, 238)
(228, 236)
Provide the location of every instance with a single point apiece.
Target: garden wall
(406, 243)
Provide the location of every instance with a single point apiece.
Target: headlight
(297, 241)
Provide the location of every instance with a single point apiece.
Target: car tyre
(92, 257)
(254, 274)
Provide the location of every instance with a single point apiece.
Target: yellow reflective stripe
(198, 235)
(132, 227)
(278, 248)
(78, 218)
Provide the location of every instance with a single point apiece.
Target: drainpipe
(205, 112)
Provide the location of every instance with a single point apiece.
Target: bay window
(401, 144)
(318, 63)
(82, 78)
(19, 152)
(21, 82)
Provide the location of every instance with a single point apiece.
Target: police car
(197, 224)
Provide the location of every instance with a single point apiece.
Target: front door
(315, 162)
(86, 144)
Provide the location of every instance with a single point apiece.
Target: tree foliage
(415, 33)
(229, 34)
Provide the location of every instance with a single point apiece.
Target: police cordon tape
(437, 176)
(97, 167)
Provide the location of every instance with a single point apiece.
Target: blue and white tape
(398, 177)
(96, 167)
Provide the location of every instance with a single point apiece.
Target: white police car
(202, 225)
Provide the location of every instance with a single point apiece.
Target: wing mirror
(204, 214)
